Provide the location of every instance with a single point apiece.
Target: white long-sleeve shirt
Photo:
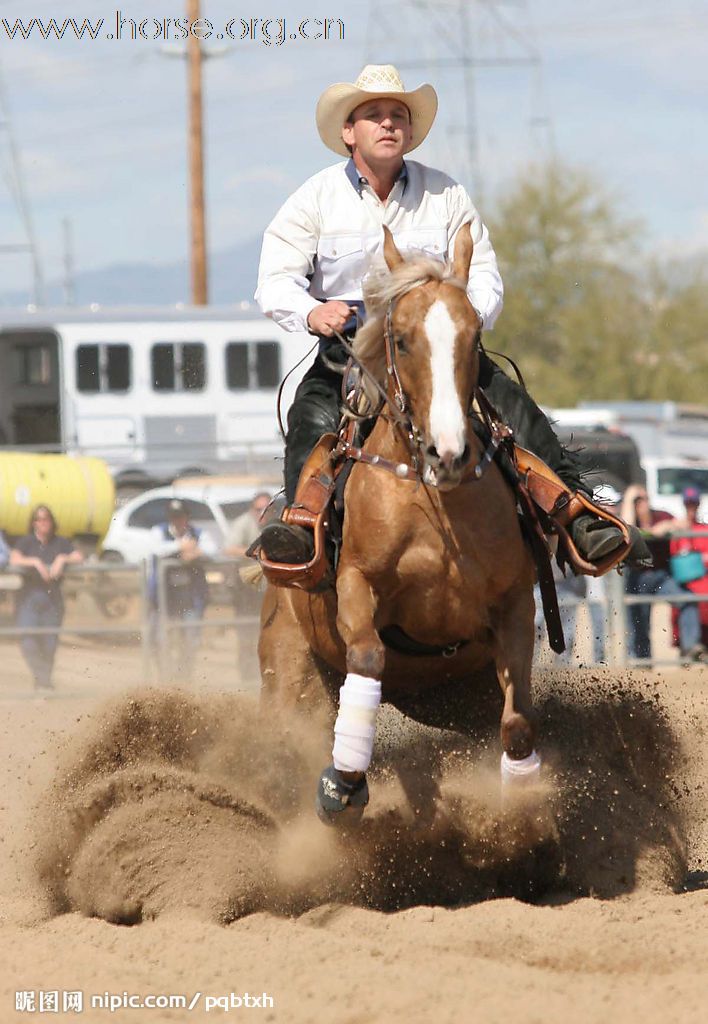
(320, 244)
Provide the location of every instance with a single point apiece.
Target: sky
(100, 125)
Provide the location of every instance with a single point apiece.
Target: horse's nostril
(432, 452)
(464, 458)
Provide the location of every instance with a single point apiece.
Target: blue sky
(101, 125)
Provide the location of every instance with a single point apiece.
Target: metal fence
(615, 608)
(130, 603)
(133, 606)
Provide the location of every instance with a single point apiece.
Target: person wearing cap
(316, 252)
(688, 552)
(657, 526)
(186, 589)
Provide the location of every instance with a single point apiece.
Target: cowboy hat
(375, 81)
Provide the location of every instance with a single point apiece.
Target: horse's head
(433, 333)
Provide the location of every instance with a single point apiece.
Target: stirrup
(309, 510)
(562, 506)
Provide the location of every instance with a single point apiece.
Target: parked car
(667, 478)
(211, 506)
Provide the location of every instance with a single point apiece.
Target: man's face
(179, 522)
(379, 130)
(258, 507)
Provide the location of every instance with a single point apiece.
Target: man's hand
(329, 317)
(189, 549)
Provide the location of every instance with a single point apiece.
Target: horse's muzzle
(444, 472)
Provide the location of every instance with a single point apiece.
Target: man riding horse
(317, 250)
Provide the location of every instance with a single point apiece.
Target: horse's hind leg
(513, 657)
(292, 678)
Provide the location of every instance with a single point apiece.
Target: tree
(584, 315)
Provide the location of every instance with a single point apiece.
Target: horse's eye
(400, 343)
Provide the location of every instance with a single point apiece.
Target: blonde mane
(381, 287)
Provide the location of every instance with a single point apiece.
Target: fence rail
(160, 634)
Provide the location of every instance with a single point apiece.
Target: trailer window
(179, 366)
(103, 368)
(33, 364)
(252, 364)
(267, 364)
(237, 366)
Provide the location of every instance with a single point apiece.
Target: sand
(161, 842)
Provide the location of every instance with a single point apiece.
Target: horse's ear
(463, 253)
(391, 254)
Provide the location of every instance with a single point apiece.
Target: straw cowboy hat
(380, 81)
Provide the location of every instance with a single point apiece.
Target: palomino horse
(434, 580)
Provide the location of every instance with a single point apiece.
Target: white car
(668, 477)
(211, 506)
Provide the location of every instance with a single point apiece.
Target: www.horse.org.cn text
(268, 31)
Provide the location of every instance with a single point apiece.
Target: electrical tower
(450, 42)
(11, 171)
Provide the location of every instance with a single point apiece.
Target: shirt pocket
(338, 247)
(431, 241)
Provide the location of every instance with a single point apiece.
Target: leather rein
(398, 411)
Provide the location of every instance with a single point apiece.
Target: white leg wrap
(355, 727)
(520, 773)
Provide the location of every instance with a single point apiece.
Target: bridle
(398, 410)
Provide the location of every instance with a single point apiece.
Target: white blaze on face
(447, 420)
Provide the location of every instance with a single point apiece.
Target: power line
(457, 39)
(16, 184)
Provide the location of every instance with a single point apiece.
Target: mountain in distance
(232, 279)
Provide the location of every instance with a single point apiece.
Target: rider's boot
(315, 411)
(287, 543)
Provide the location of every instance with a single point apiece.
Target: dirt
(165, 842)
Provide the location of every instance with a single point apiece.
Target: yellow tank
(79, 491)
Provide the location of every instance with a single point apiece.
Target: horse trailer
(156, 393)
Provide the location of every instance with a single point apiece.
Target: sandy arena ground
(162, 844)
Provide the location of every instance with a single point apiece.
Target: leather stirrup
(562, 506)
(309, 509)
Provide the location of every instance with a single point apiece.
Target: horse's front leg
(342, 786)
(520, 763)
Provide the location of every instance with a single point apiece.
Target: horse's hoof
(338, 800)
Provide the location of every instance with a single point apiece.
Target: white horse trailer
(156, 393)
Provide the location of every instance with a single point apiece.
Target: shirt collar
(358, 181)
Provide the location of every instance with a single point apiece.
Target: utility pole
(196, 163)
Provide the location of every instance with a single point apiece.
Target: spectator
(186, 588)
(247, 527)
(687, 571)
(43, 556)
(4, 551)
(656, 526)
